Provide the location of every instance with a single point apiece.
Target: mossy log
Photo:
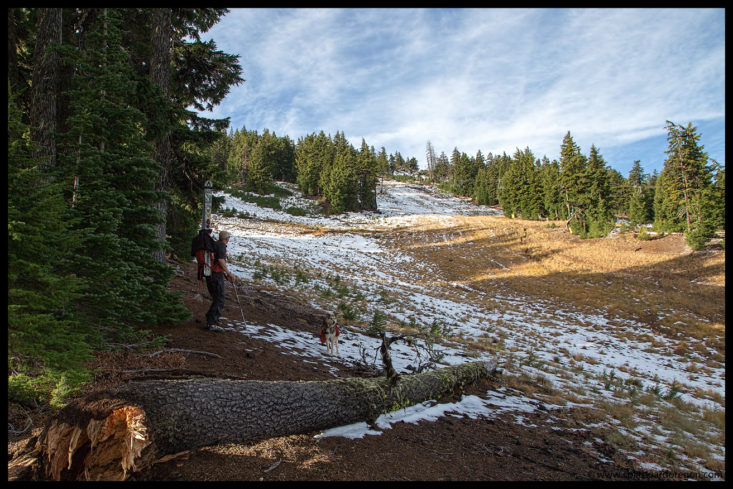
(110, 434)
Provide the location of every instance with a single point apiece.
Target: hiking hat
(224, 235)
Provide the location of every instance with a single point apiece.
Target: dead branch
(182, 350)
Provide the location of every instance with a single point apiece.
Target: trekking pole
(240, 304)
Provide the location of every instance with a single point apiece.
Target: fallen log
(112, 433)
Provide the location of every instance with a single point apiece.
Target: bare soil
(545, 446)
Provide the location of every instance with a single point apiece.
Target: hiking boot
(215, 327)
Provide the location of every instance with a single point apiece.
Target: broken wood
(112, 433)
(182, 350)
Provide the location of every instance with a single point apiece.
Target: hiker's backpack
(323, 334)
(203, 245)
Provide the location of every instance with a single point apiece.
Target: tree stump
(111, 433)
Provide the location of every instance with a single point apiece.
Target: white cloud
(489, 79)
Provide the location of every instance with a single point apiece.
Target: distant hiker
(215, 282)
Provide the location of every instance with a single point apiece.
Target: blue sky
(481, 79)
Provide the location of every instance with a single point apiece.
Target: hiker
(215, 282)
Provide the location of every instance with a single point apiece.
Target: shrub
(643, 235)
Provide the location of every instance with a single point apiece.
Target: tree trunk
(45, 74)
(160, 76)
(109, 434)
(14, 77)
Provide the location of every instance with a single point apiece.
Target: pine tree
(482, 188)
(259, 173)
(716, 197)
(574, 185)
(45, 79)
(510, 190)
(366, 170)
(341, 191)
(218, 153)
(201, 76)
(399, 162)
(382, 163)
(600, 218)
(47, 340)
(93, 276)
(116, 197)
(463, 174)
(240, 154)
(313, 157)
(639, 209)
(160, 77)
(678, 203)
(442, 168)
(552, 198)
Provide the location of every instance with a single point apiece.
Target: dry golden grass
(658, 283)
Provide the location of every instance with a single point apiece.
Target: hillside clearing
(608, 323)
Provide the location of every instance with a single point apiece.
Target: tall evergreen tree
(366, 170)
(483, 188)
(44, 84)
(552, 198)
(313, 155)
(47, 339)
(521, 191)
(160, 76)
(600, 218)
(574, 184)
(685, 174)
(116, 197)
(716, 197)
(442, 168)
(95, 239)
(639, 209)
(341, 190)
(463, 174)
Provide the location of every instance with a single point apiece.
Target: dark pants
(215, 284)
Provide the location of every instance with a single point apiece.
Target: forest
(687, 196)
(107, 159)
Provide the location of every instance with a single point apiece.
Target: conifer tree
(552, 198)
(600, 218)
(574, 184)
(510, 188)
(240, 154)
(341, 190)
(95, 238)
(521, 191)
(463, 174)
(259, 173)
(366, 170)
(313, 157)
(44, 84)
(639, 209)
(684, 199)
(411, 165)
(399, 162)
(442, 168)
(716, 196)
(47, 340)
(685, 174)
(482, 188)
(382, 163)
(116, 197)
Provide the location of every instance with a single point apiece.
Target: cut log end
(104, 449)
